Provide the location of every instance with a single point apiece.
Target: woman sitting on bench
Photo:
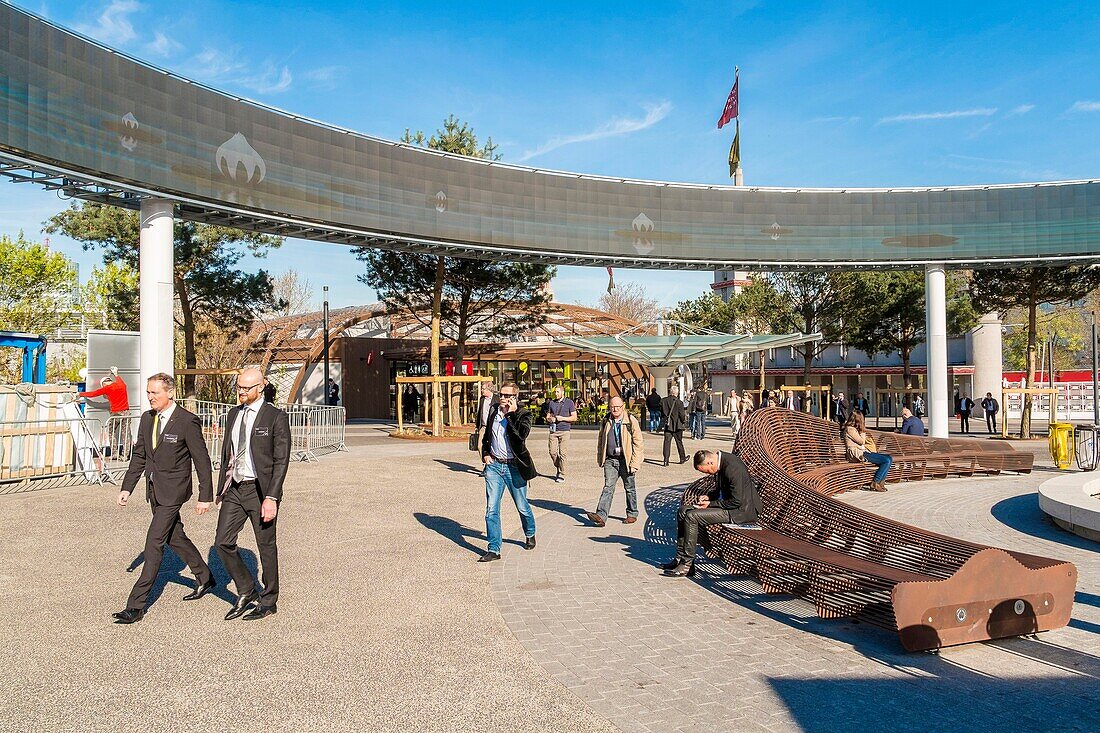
(861, 447)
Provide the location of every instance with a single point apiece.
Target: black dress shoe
(683, 569)
(489, 557)
(260, 612)
(665, 464)
(530, 543)
(129, 616)
(241, 606)
(200, 591)
(671, 564)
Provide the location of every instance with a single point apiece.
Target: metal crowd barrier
(63, 451)
(50, 453)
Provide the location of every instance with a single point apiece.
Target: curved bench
(932, 589)
(813, 451)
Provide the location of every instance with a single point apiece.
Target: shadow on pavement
(459, 467)
(1022, 513)
(174, 571)
(561, 508)
(457, 532)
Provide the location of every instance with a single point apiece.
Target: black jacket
(517, 426)
(653, 402)
(674, 414)
(168, 468)
(269, 446)
(735, 490)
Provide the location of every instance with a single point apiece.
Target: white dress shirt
(498, 445)
(243, 468)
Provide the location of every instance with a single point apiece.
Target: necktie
(156, 430)
(240, 442)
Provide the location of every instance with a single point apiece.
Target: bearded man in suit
(169, 441)
(255, 459)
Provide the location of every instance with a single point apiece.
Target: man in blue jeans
(508, 465)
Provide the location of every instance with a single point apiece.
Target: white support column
(157, 349)
(935, 298)
(659, 378)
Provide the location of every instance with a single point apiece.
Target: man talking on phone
(734, 500)
(508, 465)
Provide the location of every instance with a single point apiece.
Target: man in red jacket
(114, 389)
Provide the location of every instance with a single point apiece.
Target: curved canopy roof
(84, 119)
(689, 346)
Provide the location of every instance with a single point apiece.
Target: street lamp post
(325, 311)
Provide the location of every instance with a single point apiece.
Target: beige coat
(633, 450)
(854, 443)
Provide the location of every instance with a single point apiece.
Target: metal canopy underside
(87, 121)
(665, 351)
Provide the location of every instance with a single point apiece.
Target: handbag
(474, 441)
(870, 444)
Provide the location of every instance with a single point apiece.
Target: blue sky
(832, 94)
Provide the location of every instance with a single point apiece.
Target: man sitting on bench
(735, 500)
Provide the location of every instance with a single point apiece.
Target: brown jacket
(633, 451)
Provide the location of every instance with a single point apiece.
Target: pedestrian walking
(168, 444)
(653, 406)
(620, 452)
(561, 413)
(991, 407)
(966, 405)
(508, 465)
(674, 418)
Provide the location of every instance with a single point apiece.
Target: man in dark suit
(508, 465)
(169, 441)
(255, 458)
(674, 417)
(735, 500)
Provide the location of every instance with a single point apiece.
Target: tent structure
(677, 343)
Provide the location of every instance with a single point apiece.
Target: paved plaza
(387, 623)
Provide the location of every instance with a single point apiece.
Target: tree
(1067, 327)
(706, 311)
(804, 302)
(37, 286)
(112, 295)
(1005, 288)
(463, 297)
(293, 295)
(631, 301)
(885, 313)
(208, 283)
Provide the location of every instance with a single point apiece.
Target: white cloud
(1022, 109)
(162, 45)
(835, 118)
(216, 67)
(324, 77)
(1085, 106)
(922, 116)
(613, 128)
(113, 26)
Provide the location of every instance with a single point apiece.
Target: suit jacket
(268, 445)
(672, 410)
(517, 426)
(167, 468)
(736, 490)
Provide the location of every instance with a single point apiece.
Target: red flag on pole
(731, 102)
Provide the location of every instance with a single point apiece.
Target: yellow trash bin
(1061, 444)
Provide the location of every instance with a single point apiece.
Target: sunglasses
(242, 388)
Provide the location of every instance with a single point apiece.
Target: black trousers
(241, 503)
(166, 528)
(679, 435)
(991, 422)
(964, 420)
(687, 527)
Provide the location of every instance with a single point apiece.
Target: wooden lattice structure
(932, 589)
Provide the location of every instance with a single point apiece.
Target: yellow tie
(156, 429)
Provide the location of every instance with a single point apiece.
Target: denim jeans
(499, 476)
(613, 470)
(654, 421)
(882, 460)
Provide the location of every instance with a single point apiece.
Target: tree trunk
(437, 304)
(763, 355)
(190, 357)
(906, 376)
(807, 364)
(1032, 338)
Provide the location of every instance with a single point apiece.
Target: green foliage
(706, 311)
(490, 298)
(112, 293)
(208, 281)
(37, 286)
(1068, 328)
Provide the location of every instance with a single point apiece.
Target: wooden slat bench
(934, 590)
